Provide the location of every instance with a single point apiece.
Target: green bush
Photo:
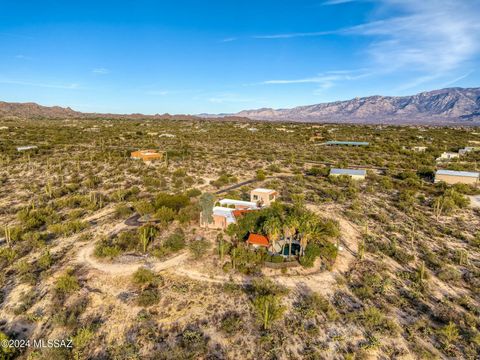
(145, 277)
(66, 284)
(148, 297)
(198, 248)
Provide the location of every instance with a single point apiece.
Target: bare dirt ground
(475, 201)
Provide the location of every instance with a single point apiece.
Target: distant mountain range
(445, 106)
(439, 107)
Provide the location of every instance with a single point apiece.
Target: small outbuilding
(457, 177)
(263, 197)
(26, 148)
(355, 174)
(257, 240)
(448, 156)
(346, 143)
(146, 155)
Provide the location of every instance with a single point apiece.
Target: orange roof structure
(239, 213)
(146, 155)
(257, 239)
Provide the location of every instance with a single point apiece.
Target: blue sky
(224, 56)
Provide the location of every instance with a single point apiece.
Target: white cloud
(324, 80)
(295, 35)
(337, 2)
(430, 37)
(100, 71)
(229, 39)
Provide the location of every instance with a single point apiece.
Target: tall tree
(207, 201)
(290, 227)
(272, 227)
(307, 229)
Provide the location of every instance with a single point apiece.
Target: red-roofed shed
(258, 240)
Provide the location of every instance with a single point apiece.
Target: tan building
(146, 155)
(263, 197)
(457, 177)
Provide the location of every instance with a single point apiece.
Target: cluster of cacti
(8, 235)
(49, 189)
(462, 255)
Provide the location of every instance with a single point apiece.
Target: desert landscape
(114, 254)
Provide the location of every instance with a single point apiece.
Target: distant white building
(419, 148)
(448, 156)
(467, 149)
(355, 174)
(26, 148)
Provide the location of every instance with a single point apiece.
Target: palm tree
(307, 229)
(272, 228)
(290, 227)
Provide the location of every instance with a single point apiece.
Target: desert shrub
(247, 261)
(176, 241)
(312, 304)
(148, 297)
(199, 248)
(312, 251)
(68, 228)
(66, 284)
(449, 274)
(448, 335)
(193, 193)
(103, 249)
(231, 323)
(69, 316)
(26, 301)
(144, 207)
(260, 175)
(122, 211)
(165, 214)
(194, 341)
(6, 352)
(25, 272)
(145, 277)
(373, 320)
(174, 202)
(266, 301)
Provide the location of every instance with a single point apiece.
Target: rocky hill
(452, 105)
(445, 106)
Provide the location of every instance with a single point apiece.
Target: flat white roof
(22, 148)
(226, 212)
(263, 190)
(348, 172)
(237, 202)
(458, 173)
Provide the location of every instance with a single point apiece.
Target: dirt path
(85, 257)
(320, 281)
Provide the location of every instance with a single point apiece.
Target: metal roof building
(347, 143)
(348, 172)
(357, 174)
(457, 177)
